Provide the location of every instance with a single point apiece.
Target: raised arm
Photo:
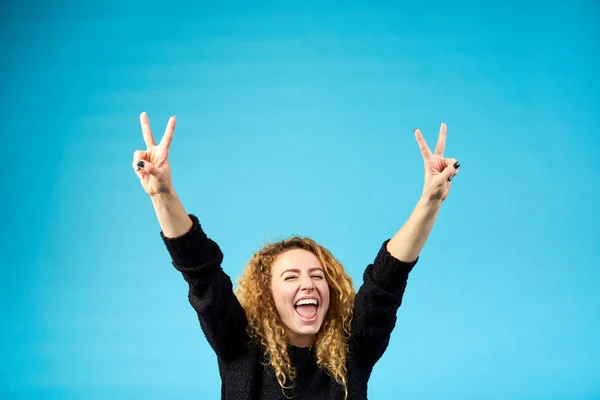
(153, 168)
(197, 257)
(384, 281)
(407, 243)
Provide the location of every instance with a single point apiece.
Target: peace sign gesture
(152, 165)
(439, 171)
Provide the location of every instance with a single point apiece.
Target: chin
(304, 334)
(312, 329)
(308, 331)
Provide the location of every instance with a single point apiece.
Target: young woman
(294, 328)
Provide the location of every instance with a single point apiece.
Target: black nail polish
(449, 179)
(140, 164)
(456, 165)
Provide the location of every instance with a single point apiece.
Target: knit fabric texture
(244, 373)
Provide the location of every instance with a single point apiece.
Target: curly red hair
(264, 323)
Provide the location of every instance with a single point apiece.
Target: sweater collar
(303, 353)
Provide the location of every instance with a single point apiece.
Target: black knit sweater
(244, 374)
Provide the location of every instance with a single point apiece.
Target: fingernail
(456, 165)
(140, 164)
(416, 129)
(449, 179)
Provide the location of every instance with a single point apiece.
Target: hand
(439, 171)
(152, 165)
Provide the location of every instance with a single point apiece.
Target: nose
(307, 284)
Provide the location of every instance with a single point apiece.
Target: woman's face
(301, 294)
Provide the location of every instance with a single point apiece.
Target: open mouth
(307, 308)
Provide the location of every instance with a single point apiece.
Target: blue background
(298, 118)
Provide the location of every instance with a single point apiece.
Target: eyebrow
(297, 270)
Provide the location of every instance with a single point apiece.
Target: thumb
(451, 169)
(141, 166)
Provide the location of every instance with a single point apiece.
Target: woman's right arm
(174, 221)
(197, 257)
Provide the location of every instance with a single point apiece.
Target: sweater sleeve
(376, 304)
(221, 316)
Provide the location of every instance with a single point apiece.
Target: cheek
(275, 295)
(281, 296)
(324, 289)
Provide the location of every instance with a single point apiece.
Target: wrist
(164, 196)
(430, 204)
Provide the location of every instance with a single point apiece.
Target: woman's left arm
(407, 243)
(384, 281)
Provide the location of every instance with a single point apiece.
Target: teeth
(307, 302)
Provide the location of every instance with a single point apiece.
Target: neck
(301, 340)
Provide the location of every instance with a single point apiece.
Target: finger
(146, 131)
(138, 171)
(451, 169)
(144, 166)
(441, 143)
(168, 135)
(422, 144)
(139, 155)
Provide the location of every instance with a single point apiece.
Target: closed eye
(289, 277)
(318, 276)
